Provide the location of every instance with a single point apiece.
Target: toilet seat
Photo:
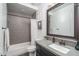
(31, 48)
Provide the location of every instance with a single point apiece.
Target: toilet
(32, 48)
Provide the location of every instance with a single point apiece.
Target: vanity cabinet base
(41, 51)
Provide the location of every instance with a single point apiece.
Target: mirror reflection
(61, 20)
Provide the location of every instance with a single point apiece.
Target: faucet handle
(53, 39)
(62, 42)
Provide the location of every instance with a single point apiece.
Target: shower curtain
(19, 29)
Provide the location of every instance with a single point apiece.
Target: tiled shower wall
(19, 29)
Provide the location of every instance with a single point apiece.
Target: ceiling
(18, 8)
(36, 4)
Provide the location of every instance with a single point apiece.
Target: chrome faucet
(53, 39)
(62, 42)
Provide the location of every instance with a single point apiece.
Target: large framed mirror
(60, 20)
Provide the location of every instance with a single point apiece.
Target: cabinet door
(41, 51)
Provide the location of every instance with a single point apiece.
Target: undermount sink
(59, 48)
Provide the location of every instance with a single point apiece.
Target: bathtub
(18, 49)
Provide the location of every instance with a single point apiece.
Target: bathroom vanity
(43, 49)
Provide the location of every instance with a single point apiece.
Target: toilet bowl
(31, 50)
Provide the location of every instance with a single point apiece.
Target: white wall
(3, 14)
(41, 15)
(33, 31)
(3, 22)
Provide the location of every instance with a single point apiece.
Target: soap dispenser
(53, 39)
(77, 46)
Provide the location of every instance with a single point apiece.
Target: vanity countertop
(44, 43)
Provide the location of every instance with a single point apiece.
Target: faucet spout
(53, 39)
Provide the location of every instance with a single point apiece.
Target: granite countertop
(44, 43)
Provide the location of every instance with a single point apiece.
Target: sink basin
(59, 48)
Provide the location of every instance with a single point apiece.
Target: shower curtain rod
(20, 16)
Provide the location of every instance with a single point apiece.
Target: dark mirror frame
(75, 13)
